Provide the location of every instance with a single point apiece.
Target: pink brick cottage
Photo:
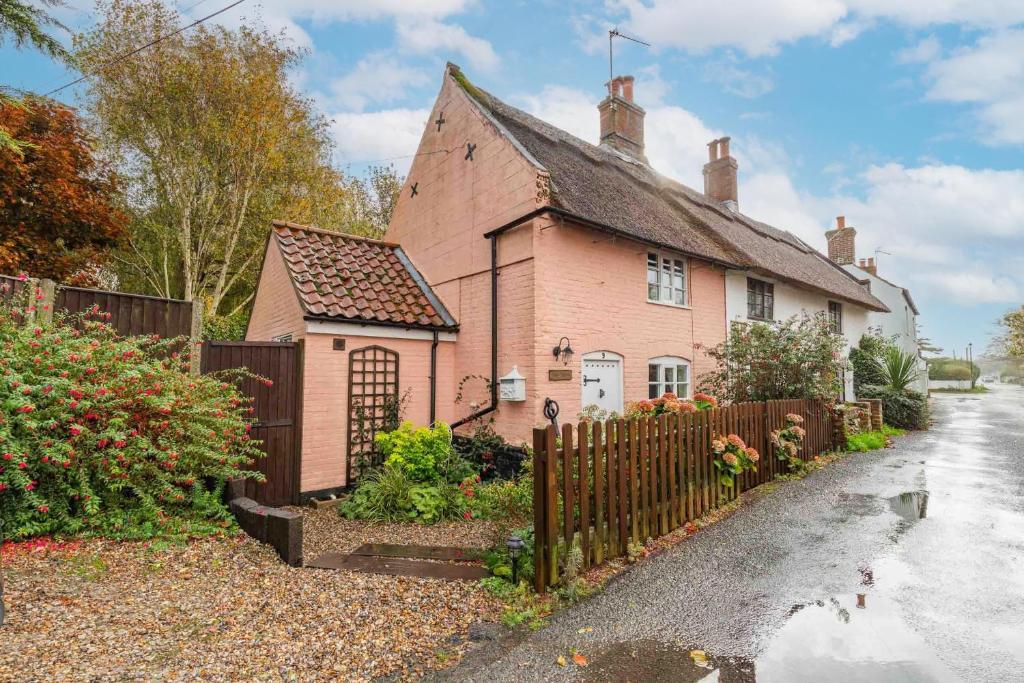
(524, 253)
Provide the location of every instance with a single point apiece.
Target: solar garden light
(515, 547)
(565, 352)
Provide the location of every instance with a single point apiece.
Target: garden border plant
(102, 435)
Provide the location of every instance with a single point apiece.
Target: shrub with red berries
(111, 436)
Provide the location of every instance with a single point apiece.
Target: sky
(906, 117)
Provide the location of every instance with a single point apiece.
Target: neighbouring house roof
(906, 292)
(604, 186)
(350, 278)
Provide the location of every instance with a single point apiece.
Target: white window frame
(668, 266)
(661, 384)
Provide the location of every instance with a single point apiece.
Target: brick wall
(325, 399)
(275, 310)
(442, 229)
(592, 288)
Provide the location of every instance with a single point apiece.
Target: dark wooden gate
(278, 410)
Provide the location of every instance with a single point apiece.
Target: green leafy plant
(870, 441)
(898, 369)
(733, 457)
(866, 359)
(111, 436)
(424, 454)
(907, 409)
(389, 494)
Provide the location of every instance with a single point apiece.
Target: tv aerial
(612, 34)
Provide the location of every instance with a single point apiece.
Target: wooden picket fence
(609, 484)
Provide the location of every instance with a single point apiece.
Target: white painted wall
(900, 322)
(790, 301)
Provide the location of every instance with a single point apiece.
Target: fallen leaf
(586, 629)
(561, 660)
(699, 657)
(579, 659)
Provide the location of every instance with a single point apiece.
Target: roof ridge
(276, 223)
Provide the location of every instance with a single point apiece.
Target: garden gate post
(539, 511)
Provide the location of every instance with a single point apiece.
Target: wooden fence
(130, 314)
(610, 484)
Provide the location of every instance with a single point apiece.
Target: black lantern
(563, 352)
(515, 547)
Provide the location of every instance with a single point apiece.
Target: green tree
(214, 142)
(797, 358)
(23, 25)
(866, 358)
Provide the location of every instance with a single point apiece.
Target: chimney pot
(712, 150)
(840, 222)
(724, 147)
(627, 88)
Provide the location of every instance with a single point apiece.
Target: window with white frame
(666, 279)
(668, 374)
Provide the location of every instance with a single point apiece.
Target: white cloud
(389, 136)
(971, 288)
(426, 37)
(989, 74)
(378, 78)
(761, 27)
(952, 233)
(921, 52)
(738, 81)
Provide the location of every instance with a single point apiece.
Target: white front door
(601, 380)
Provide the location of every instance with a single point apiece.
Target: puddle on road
(910, 505)
(859, 637)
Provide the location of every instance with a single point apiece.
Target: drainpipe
(433, 378)
(494, 338)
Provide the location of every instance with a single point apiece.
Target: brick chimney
(841, 248)
(622, 121)
(868, 265)
(720, 174)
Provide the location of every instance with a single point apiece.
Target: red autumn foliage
(57, 200)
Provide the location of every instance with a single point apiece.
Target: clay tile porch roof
(349, 278)
(598, 184)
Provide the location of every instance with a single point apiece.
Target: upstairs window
(835, 317)
(666, 279)
(668, 373)
(760, 299)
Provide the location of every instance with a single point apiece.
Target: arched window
(668, 374)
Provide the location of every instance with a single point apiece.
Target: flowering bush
(105, 435)
(787, 441)
(733, 457)
(799, 357)
(671, 404)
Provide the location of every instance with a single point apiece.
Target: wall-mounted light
(564, 352)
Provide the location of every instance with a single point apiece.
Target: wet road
(905, 564)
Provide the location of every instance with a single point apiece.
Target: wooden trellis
(372, 403)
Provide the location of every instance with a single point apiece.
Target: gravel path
(228, 609)
(896, 565)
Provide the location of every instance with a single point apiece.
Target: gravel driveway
(229, 609)
(904, 564)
